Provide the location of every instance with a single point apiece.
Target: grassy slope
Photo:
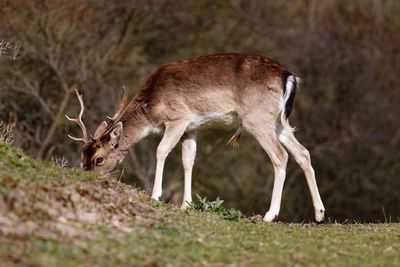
(55, 216)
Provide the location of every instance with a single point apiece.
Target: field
(54, 216)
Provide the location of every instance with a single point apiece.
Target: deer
(238, 92)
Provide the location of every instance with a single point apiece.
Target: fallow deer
(230, 91)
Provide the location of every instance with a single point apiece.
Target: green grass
(52, 216)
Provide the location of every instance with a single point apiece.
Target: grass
(52, 216)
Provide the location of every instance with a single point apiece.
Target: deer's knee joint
(281, 159)
(162, 153)
(304, 158)
(187, 163)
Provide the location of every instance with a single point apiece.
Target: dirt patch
(64, 209)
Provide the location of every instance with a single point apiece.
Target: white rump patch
(290, 82)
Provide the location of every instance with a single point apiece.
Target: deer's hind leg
(188, 156)
(266, 135)
(302, 157)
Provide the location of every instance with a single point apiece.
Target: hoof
(185, 205)
(320, 216)
(155, 197)
(270, 217)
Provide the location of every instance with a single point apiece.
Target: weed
(6, 134)
(232, 215)
(60, 162)
(202, 204)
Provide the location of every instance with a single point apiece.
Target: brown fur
(248, 92)
(219, 83)
(186, 85)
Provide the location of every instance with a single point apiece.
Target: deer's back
(215, 84)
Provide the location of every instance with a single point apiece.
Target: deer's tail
(289, 92)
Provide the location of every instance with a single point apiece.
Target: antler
(104, 128)
(79, 121)
(121, 107)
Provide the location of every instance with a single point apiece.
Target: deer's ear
(100, 130)
(115, 134)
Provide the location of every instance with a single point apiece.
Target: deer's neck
(135, 127)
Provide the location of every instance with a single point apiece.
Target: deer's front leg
(173, 132)
(188, 156)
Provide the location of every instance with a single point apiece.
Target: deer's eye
(99, 160)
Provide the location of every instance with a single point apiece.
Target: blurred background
(346, 112)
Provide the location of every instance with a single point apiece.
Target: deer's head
(101, 152)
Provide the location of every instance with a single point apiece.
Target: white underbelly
(228, 120)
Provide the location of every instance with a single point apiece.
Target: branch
(8, 49)
(52, 130)
(34, 92)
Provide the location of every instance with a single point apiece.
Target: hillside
(53, 216)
